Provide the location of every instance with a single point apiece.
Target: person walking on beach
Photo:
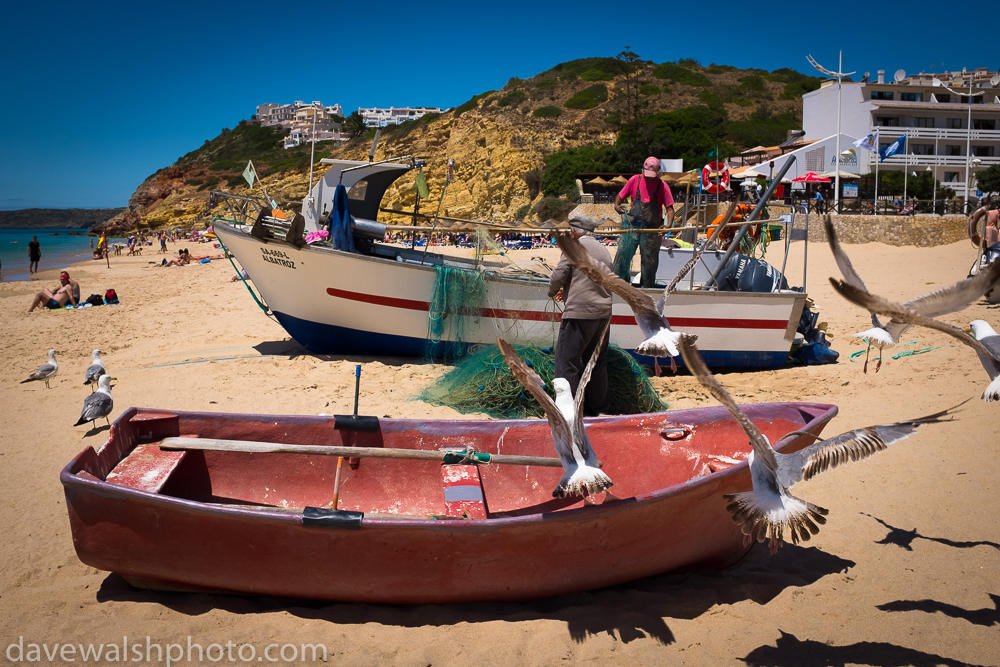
(585, 318)
(34, 254)
(650, 196)
(68, 292)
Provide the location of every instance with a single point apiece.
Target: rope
(910, 353)
(239, 273)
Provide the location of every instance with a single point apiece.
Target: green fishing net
(627, 245)
(483, 382)
(458, 295)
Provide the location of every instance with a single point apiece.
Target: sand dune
(904, 573)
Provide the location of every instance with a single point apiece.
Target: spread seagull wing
(899, 311)
(956, 297)
(856, 445)
(661, 340)
(530, 380)
(694, 362)
(646, 315)
(851, 276)
(582, 440)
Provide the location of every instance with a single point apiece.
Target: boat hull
(213, 521)
(334, 302)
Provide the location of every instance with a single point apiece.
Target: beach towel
(340, 221)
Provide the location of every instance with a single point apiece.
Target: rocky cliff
(494, 139)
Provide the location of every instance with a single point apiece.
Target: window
(951, 177)
(953, 123)
(984, 124)
(943, 98)
(952, 150)
(982, 151)
(887, 121)
(923, 122)
(922, 149)
(976, 99)
(881, 95)
(911, 97)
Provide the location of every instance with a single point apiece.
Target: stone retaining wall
(898, 230)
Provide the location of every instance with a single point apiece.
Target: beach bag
(110, 297)
(95, 300)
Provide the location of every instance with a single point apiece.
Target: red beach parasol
(810, 177)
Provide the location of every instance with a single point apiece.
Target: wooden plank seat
(147, 468)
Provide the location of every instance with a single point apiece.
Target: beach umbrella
(810, 177)
(843, 174)
(597, 181)
(619, 179)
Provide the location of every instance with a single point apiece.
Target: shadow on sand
(986, 617)
(904, 538)
(791, 651)
(629, 611)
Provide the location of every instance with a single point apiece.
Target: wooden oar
(248, 446)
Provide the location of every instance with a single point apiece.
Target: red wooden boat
(247, 522)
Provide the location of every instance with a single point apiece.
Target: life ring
(974, 234)
(707, 184)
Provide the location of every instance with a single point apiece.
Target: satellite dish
(899, 75)
(995, 80)
(936, 82)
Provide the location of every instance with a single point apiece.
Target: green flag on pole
(249, 173)
(421, 186)
(713, 153)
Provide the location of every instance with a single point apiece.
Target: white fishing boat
(379, 299)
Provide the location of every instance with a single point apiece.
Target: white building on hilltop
(950, 134)
(376, 117)
(305, 122)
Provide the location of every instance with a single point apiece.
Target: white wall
(819, 111)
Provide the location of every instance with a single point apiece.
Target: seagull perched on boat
(582, 475)
(661, 340)
(99, 404)
(985, 342)
(939, 302)
(46, 371)
(770, 509)
(95, 370)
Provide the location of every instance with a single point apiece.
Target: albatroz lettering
(277, 257)
(150, 653)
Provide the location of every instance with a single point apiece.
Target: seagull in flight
(984, 340)
(939, 302)
(98, 404)
(661, 340)
(46, 371)
(95, 370)
(582, 475)
(770, 508)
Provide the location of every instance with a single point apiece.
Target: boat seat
(147, 468)
(463, 491)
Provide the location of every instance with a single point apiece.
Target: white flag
(869, 143)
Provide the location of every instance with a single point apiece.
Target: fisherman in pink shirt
(646, 212)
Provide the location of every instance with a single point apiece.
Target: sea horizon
(59, 249)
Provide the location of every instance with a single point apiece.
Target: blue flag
(898, 146)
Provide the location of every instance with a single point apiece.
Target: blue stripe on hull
(331, 339)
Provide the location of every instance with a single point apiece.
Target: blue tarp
(340, 221)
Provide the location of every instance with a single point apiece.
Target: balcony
(936, 133)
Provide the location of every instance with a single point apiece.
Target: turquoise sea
(59, 250)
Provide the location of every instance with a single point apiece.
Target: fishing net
(483, 382)
(455, 305)
(627, 245)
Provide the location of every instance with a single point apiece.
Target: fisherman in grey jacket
(585, 316)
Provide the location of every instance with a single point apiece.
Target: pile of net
(483, 382)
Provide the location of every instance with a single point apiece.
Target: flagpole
(906, 172)
(836, 186)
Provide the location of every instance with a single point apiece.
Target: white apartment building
(286, 115)
(375, 116)
(948, 133)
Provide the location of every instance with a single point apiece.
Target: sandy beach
(906, 571)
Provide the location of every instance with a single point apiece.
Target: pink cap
(651, 167)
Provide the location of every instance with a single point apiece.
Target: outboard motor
(743, 273)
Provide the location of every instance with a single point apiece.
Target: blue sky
(98, 96)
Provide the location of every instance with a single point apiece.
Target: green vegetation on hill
(681, 75)
(588, 98)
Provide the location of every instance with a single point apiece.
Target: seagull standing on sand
(95, 370)
(99, 404)
(939, 302)
(986, 342)
(46, 371)
(770, 509)
(582, 475)
(661, 340)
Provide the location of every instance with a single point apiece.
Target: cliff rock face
(494, 139)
